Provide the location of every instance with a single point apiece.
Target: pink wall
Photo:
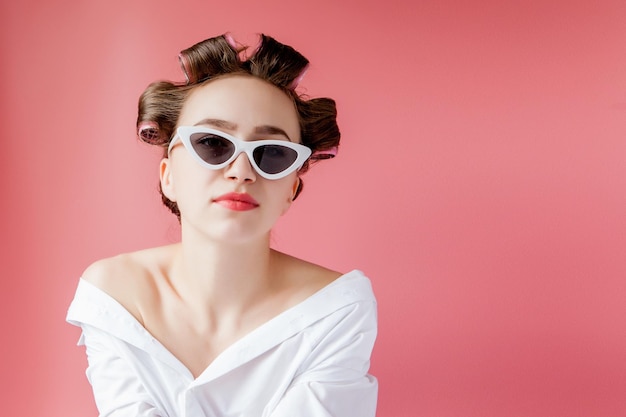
(481, 184)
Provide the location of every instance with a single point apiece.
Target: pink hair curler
(325, 154)
(148, 132)
(231, 41)
(184, 64)
(296, 81)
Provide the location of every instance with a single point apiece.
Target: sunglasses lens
(213, 149)
(273, 159)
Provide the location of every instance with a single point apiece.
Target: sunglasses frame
(184, 134)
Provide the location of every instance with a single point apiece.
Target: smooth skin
(222, 280)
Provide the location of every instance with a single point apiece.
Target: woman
(220, 324)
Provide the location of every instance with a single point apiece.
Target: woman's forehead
(244, 101)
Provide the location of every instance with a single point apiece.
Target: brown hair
(281, 65)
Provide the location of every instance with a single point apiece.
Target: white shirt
(312, 360)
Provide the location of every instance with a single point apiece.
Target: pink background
(481, 185)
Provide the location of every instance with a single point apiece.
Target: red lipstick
(237, 201)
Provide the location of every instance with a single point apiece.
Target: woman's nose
(240, 169)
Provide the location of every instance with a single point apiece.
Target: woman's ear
(292, 195)
(296, 189)
(165, 176)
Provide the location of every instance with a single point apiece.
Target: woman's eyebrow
(271, 130)
(217, 123)
(262, 130)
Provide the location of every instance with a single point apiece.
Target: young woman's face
(232, 203)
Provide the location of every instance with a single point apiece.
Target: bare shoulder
(305, 277)
(128, 278)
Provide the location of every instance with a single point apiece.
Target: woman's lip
(237, 201)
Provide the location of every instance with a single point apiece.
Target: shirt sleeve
(335, 381)
(117, 390)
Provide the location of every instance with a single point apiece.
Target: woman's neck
(217, 278)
